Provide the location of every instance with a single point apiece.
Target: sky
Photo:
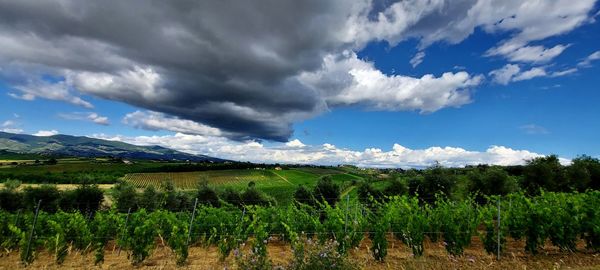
(373, 83)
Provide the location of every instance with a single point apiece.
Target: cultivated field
(279, 184)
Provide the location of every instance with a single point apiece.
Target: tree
(437, 181)
(327, 190)
(125, 197)
(169, 198)
(544, 173)
(584, 173)
(490, 181)
(149, 199)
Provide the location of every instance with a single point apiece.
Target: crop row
(562, 218)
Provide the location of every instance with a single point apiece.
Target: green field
(280, 184)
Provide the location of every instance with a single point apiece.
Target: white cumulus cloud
(327, 154)
(351, 81)
(45, 133)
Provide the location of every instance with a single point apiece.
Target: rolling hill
(80, 146)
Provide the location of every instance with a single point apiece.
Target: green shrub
(207, 195)
(327, 191)
(49, 195)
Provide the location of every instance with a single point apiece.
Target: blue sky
(500, 92)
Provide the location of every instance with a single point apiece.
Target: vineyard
(190, 180)
(570, 222)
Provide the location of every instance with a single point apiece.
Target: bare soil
(399, 257)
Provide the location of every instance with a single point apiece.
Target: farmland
(280, 184)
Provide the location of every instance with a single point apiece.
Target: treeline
(53, 171)
(542, 173)
(85, 198)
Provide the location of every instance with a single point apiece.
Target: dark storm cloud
(228, 64)
(253, 68)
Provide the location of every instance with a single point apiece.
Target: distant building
(278, 168)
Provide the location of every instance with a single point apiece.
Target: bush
(85, 199)
(207, 195)
(253, 196)
(367, 193)
(11, 200)
(231, 196)
(304, 195)
(49, 195)
(327, 191)
(396, 188)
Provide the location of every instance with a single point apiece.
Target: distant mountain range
(80, 146)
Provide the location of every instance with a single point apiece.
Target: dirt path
(284, 179)
(346, 191)
(61, 186)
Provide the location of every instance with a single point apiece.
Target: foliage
(85, 199)
(367, 193)
(304, 195)
(253, 196)
(125, 197)
(544, 173)
(327, 191)
(437, 181)
(231, 196)
(408, 222)
(490, 181)
(396, 187)
(139, 236)
(561, 218)
(207, 195)
(458, 221)
(49, 195)
(148, 199)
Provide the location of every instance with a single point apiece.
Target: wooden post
(37, 211)
(191, 223)
(124, 228)
(346, 219)
(498, 225)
